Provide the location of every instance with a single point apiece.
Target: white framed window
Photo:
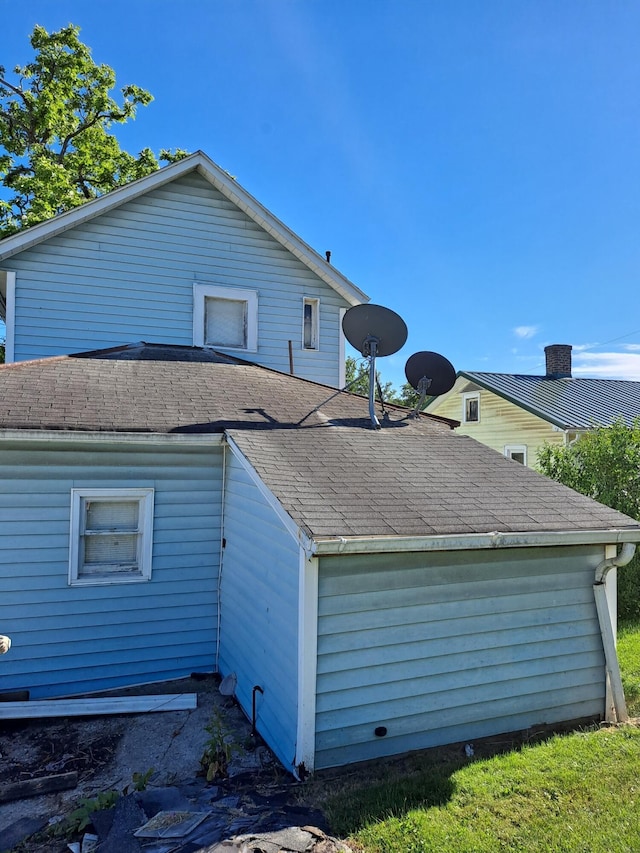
(111, 536)
(225, 317)
(518, 452)
(471, 408)
(310, 323)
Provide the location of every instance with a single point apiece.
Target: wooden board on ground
(35, 787)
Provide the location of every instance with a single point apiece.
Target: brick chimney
(558, 358)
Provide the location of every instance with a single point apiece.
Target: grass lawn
(571, 793)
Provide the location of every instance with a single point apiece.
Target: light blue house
(151, 261)
(204, 503)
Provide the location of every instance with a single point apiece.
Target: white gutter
(618, 711)
(70, 436)
(471, 541)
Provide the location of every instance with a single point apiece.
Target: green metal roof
(568, 403)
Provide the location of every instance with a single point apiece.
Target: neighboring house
(516, 414)
(170, 508)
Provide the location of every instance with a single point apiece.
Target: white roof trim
(472, 541)
(108, 437)
(288, 522)
(230, 188)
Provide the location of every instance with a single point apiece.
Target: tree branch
(85, 126)
(15, 89)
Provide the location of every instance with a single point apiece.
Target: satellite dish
(374, 331)
(429, 373)
(364, 324)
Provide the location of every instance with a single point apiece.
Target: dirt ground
(167, 747)
(107, 751)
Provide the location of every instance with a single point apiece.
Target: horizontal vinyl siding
(77, 639)
(128, 276)
(501, 423)
(258, 607)
(446, 647)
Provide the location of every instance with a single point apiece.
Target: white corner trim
(289, 524)
(10, 318)
(342, 367)
(307, 661)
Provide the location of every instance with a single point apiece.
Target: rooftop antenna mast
(375, 331)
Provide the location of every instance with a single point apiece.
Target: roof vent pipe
(558, 358)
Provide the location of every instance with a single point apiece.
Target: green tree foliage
(356, 376)
(56, 146)
(605, 465)
(357, 372)
(357, 380)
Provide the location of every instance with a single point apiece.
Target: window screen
(225, 322)
(110, 537)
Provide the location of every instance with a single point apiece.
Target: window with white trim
(310, 323)
(518, 452)
(225, 317)
(471, 408)
(111, 536)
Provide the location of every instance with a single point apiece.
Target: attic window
(517, 452)
(310, 323)
(471, 408)
(225, 317)
(111, 536)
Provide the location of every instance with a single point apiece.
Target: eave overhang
(50, 437)
(471, 541)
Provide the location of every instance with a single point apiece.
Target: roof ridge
(225, 184)
(543, 376)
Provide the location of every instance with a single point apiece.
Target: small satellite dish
(364, 324)
(429, 373)
(374, 331)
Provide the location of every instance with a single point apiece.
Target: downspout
(617, 710)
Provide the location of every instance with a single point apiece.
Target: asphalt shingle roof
(357, 482)
(333, 473)
(156, 388)
(569, 403)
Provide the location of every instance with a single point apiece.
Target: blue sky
(475, 166)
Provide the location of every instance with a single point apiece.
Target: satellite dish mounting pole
(375, 332)
(423, 386)
(371, 346)
(429, 372)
